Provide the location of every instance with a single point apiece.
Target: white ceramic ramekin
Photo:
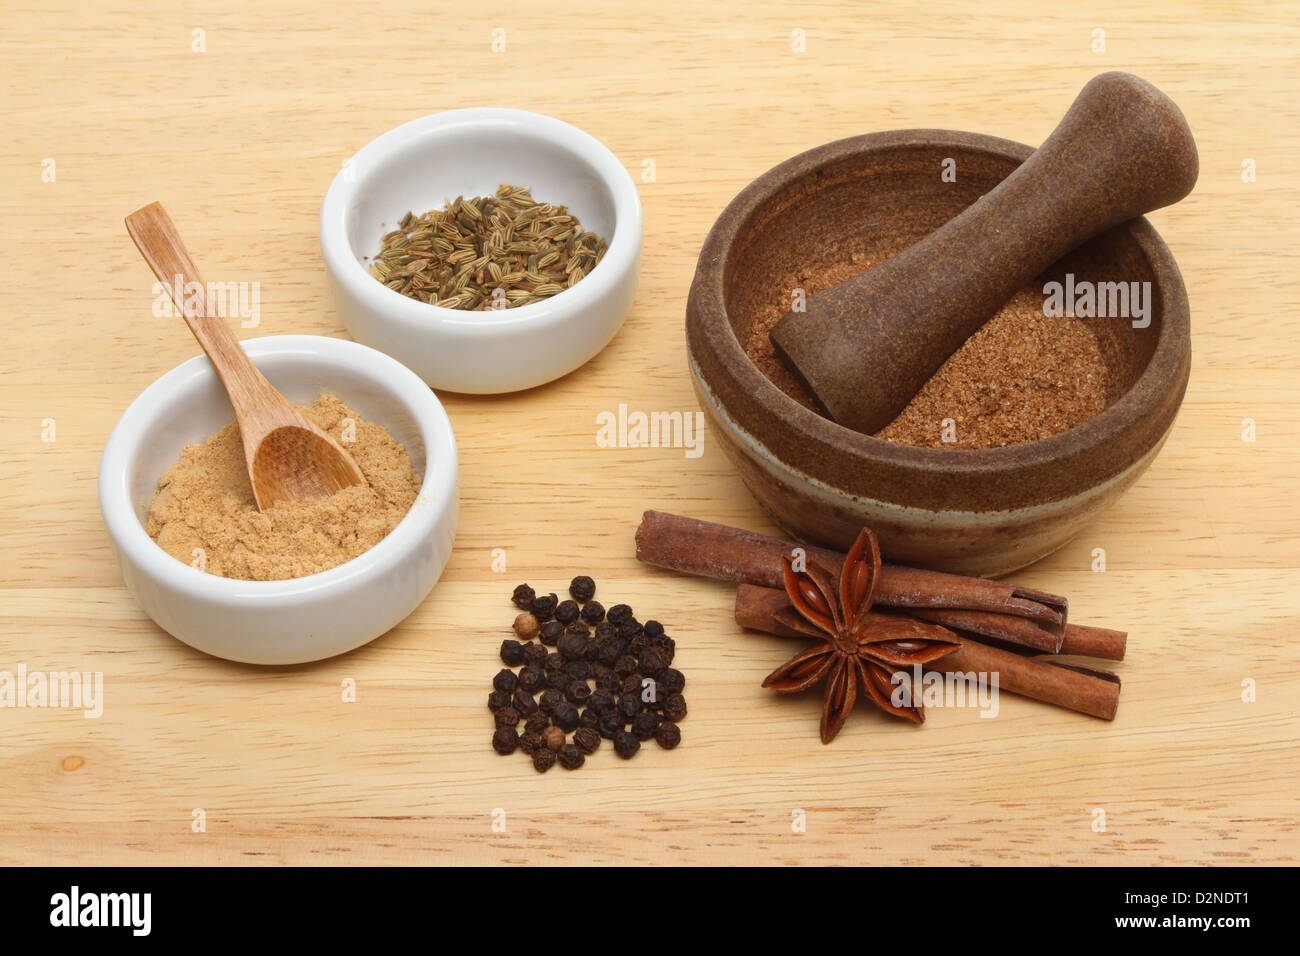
(300, 619)
(422, 164)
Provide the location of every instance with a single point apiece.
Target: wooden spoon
(866, 346)
(289, 458)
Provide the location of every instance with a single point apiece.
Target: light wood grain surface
(240, 142)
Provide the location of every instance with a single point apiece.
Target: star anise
(858, 649)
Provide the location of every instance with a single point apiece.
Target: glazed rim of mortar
(1011, 476)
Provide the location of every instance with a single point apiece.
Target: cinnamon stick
(745, 557)
(1001, 627)
(757, 608)
(1087, 690)
(1089, 641)
(1079, 639)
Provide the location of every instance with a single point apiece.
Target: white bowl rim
(437, 487)
(619, 258)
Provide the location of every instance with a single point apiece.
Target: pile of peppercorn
(584, 671)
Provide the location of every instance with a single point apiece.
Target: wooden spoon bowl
(987, 511)
(293, 463)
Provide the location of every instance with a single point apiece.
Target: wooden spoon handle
(866, 346)
(155, 235)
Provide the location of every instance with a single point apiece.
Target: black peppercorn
(537, 723)
(543, 606)
(551, 633)
(532, 678)
(632, 684)
(586, 739)
(629, 705)
(578, 670)
(573, 646)
(553, 738)
(674, 707)
(668, 735)
(565, 716)
(523, 597)
(665, 645)
(626, 745)
(582, 589)
(524, 703)
(609, 683)
(610, 726)
(578, 692)
(571, 757)
(645, 724)
(671, 681)
(505, 740)
(652, 662)
(543, 759)
(551, 663)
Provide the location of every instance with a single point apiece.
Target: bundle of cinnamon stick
(1004, 629)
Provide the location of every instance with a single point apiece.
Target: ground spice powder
(1023, 376)
(204, 501)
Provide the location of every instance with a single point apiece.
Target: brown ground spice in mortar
(205, 501)
(1023, 376)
